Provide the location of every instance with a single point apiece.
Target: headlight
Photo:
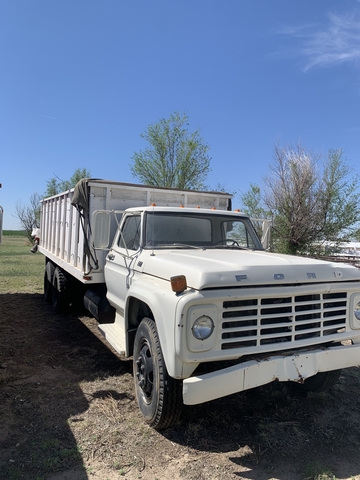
(357, 310)
(203, 327)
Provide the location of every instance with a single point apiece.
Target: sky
(81, 80)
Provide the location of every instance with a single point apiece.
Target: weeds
(316, 471)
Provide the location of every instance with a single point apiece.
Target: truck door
(121, 259)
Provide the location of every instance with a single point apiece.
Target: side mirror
(266, 231)
(101, 222)
(263, 229)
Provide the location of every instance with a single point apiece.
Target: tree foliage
(29, 215)
(311, 200)
(55, 185)
(176, 157)
(253, 204)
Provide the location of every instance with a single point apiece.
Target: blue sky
(81, 80)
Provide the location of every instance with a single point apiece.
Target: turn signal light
(178, 283)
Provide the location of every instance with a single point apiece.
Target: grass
(20, 270)
(48, 456)
(14, 233)
(316, 471)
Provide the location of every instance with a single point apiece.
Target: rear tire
(159, 396)
(48, 278)
(60, 294)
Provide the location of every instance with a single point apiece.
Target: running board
(115, 335)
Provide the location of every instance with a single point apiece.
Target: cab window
(130, 233)
(236, 231)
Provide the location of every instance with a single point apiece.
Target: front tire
(321, 382)
(159, 396)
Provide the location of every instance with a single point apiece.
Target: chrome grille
(282, 321)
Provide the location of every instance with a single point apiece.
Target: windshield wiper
(231, 247)
(179, 245)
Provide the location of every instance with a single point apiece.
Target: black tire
(159, 396)
(48, 278)
(59, 292)
(321, 382)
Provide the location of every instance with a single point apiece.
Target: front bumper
(294, 367)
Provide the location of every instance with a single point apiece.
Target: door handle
(111, 256)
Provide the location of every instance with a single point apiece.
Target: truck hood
(228, 268)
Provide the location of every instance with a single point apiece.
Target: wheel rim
(145, 372)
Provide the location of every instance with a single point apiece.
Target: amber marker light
(178, 283)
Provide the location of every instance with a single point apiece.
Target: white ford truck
(183, 284)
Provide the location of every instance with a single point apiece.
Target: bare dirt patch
(68, 412)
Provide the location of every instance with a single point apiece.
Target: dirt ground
(68, 412)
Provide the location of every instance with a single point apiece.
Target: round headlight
(203, 327)
(357, 311)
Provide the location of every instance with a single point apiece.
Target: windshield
(168, 229)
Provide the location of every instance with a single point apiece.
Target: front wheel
(322, 381)
(159, 396)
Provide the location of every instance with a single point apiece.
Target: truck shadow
(44, 358)
(277, 431)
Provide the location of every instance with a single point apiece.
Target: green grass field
(14, 233)
(20, 270)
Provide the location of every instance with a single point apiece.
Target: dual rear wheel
(56, 288)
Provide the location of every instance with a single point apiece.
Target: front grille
(282, 322)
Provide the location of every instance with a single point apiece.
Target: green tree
(310, 200)
(252, 203)
(55, 185)
(253, 206)
(176, 157)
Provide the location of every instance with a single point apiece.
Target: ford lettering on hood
(231, 268)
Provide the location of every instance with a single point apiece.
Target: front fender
(162, 301)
